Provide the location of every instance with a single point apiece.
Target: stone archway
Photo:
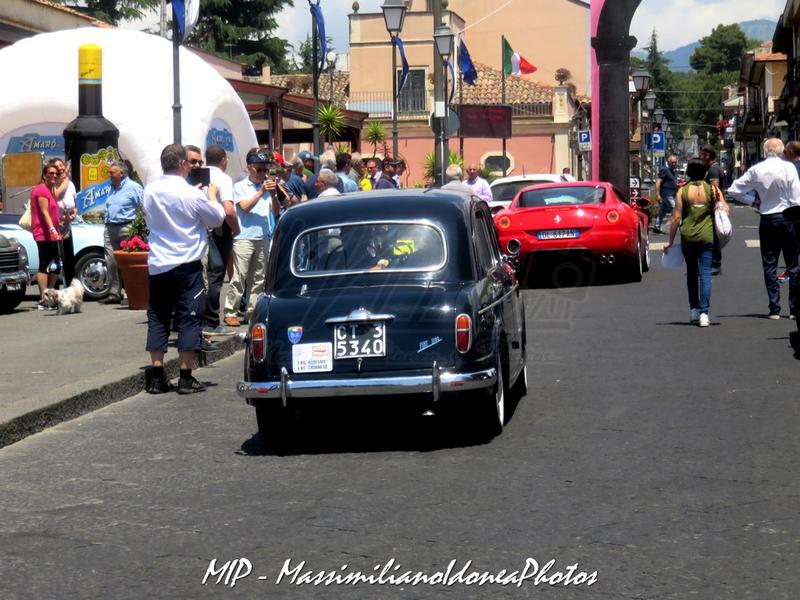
(612, 44)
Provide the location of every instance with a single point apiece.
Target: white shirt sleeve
(210, 213)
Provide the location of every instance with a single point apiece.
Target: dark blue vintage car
(386, 293)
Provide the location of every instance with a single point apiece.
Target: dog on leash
(68, 300)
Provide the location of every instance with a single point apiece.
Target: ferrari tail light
(258, 343)
(612, 216)
(504, 222)
(463, 333)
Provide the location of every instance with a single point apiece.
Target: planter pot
(133, 268)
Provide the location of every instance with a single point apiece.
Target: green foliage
(331, 122)
(113, 11)
(375, 134)
(303, 62)
(428, 164)
(342, 149)
(244, 31)
(720, 51)
(139, 226)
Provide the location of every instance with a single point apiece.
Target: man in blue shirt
(125, 197)
(342, 172)
(666, 190)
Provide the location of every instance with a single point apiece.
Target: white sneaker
(704, 320)
(694, 315)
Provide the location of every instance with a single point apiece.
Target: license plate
(558, 234)
(359, 340)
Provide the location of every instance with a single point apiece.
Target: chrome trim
(284, 386)
(425, 222)
(367, 386)
(436, 384)
(359, 315)
(15, 278)
(499, 300)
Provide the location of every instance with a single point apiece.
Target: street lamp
(649, 100)
(659, 118)
(443, 37)
(394, 13)
(641, 82)
(331, 60)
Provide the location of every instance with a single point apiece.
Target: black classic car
(386, 293)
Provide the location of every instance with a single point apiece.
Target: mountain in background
(759, 29)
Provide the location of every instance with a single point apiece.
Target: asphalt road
(657, 454)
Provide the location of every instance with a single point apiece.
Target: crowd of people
(771, 186)
(199, 233)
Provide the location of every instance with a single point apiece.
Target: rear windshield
(368, 248)
(506, 192)
(561, 196)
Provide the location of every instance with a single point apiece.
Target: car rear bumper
(433, 382)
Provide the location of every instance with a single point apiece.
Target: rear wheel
(646, 254)
(634, 267)
(491, 409)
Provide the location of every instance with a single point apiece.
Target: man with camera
(257, 206)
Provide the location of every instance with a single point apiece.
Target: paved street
(658, 454)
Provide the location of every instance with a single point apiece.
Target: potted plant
(132, 263)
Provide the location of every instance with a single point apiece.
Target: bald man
(480, 187)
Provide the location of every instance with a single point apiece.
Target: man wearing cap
(308, 162)
(713, 176)
(293, 182)
(386, 180)
(256, 207)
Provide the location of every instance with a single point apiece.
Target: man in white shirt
(256, 207)
(220, 241)
(776, 182)
(178, 217)
(479, 185)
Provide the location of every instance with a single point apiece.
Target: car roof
(430, 203)
(554, 177)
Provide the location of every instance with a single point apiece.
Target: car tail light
(612, 216)
(463, 333)
(258, 343)
(504, 222)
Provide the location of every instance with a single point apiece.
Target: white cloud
(681, 22)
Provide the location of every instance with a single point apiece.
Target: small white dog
(68, 300)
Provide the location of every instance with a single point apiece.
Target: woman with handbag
(44, 226)
(694, 215)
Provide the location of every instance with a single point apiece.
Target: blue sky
(678, 22)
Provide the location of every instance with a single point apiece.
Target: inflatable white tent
(41, 97)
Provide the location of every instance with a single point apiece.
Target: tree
(244, 31)
(720, 51)
(331, 122)
(663, 79)
(375, 134)
(304, 60)
(113, 11)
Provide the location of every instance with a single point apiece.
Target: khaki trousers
(249, 266)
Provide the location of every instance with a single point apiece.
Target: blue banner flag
(185, 13)
(465, 65)
(452, 80)
(404, 72)
(316, 11)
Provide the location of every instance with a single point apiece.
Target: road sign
(584, 140)
(636, 193)
(655, 143)
(634, 182)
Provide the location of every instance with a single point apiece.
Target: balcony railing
(415, 105)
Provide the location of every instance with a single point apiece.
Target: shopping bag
(672, 259)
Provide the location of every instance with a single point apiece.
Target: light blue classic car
(90, 262)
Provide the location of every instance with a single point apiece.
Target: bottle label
(94, 167)
(90, 64)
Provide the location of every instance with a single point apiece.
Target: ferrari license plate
(359, 340)
(558, 234)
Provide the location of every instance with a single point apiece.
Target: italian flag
(513, 63)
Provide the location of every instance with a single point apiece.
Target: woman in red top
(44, 221)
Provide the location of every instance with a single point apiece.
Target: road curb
(80, 404)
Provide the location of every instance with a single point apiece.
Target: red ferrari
(577, 219)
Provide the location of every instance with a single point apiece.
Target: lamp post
(394, 13)
(443, 37)
(315, 82)
(330, 58)
(641, 82)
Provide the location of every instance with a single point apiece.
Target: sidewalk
(57, 367)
